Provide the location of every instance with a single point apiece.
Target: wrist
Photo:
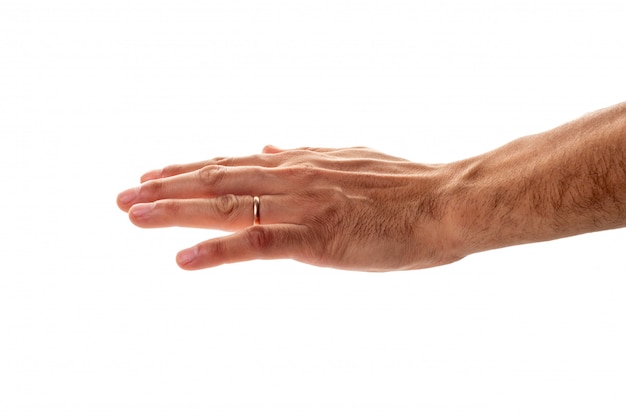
(469, 222)
(498, 199)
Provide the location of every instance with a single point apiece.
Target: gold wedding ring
(256, 203)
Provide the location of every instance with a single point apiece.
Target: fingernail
(140, 210)
(127, 196)
(187, 256)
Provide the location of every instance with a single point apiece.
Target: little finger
(258, 242)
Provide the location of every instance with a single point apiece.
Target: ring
(256, 203)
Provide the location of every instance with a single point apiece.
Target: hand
(352, 208)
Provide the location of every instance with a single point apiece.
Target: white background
(96, 319)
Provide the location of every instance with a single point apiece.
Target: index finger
(176, 169)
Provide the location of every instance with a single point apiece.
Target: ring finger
(226, 212)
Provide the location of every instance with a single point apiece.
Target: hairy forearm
(563, 182)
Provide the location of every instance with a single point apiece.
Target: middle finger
(212, 181)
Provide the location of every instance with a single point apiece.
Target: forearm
(567, 181)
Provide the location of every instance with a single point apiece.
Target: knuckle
(258, 237)
(169, 207)
(304, 172)
(321, 197)
(171, 170)
(329, 220)
(153, 188)
(215, 249)
(226, 205)
(222, 160)
(211, 175)
(310, 151)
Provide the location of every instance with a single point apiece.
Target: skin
(360, 209)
